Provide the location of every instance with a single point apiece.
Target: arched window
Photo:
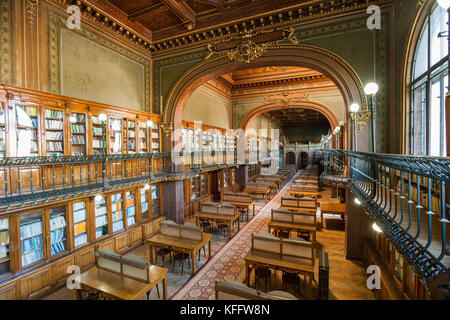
(429, 86)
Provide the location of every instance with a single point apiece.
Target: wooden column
(242, 176)
(173, 199)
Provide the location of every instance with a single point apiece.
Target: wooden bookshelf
(31, 239)
(58, 230)
(143, 138)
(78, 133)
(2, 134)
(145, 202)
(117, 212)
(115, 135)
(54, 132)
(4, 247)
(27, 128)
(131, 207)
(155, 135)
(101, 218)
(156, 200)
(98, 136)
(129, 139)
(79, 212)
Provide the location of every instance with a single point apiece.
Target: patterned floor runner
(228, 263)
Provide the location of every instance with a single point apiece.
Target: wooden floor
(347, 278)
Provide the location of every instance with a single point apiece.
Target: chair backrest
(169, 228)
(304, 188)
(229, 196)
(243, 197)
(188, 231)
(226, 209)
(265, 242)
(209, 207)
(289, 202)
(135, 267)
(234, 290)
(294, 217)
(109, 260)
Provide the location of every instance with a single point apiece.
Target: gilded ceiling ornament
(33, 1)
(247, 51)
(167, 127)
(286, 99)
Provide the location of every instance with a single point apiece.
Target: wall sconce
(360, 117)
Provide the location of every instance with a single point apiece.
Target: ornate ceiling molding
(286, 99)
(111, 20)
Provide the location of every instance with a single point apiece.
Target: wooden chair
(180, 255)
(291, 277)
(162, 251)
(223, 229)
(205, 224)
(283, 233)
(262, 271)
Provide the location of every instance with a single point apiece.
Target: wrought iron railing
(408, 198)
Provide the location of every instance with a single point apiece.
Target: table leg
(197, 222)
(314, 235)
(247, 271)
(209, 249)
(193, 261)
(165, 287)
(254, 212)
(239, 225)
(310, 287)
(321, 218)
(230, 233)
(248, 213)
(78, 294)
(150, 253)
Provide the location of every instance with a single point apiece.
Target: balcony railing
(408, 198)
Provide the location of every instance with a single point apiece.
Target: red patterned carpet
(228, 263)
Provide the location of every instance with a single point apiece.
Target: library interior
(224, 150)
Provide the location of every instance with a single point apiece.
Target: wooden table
(331, 208)
(264, 192)
(176, 242)
(274, 261)
(293, 226)
(228, 219)
(243, 205)
(304, 194)
(115, 286)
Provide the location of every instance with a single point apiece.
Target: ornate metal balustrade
(408, 198)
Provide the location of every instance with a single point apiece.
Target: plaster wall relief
(87, 65)
(6, 42)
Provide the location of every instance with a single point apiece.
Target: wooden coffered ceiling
(298, 118)
(161, 26)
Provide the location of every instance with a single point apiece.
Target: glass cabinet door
(155, 138)
(131, 208)
(130, 138)
(78, 130)
(101, 217)
(115, 132)
(98, 136)
(27, 120)
(4, 247)
(54, 132)
(117, 212)
(144, 203)
(80, 223)
(143, 137)
(2, 136)
(156, 200)
(58, 232)
(31, 238)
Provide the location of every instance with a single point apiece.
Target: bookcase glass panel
(27, 131)
(155, 138)
(31, 238)
(115, 139)
(4, 247)
(79, 223)
(131, 208)
(143, 137)
(78, 130)
(2, 136)
(58, 230)
(117, 212)
(54, 132)
(144, 203)
(101, 217)
(98, 136)
(130, 136)
(156, 200)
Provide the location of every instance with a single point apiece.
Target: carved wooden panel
(85, 258)
(10, 291)
(122, 242)
(59, 269)
(35, 284)
(135, 236)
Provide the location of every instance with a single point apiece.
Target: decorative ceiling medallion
(247, 51)
(287, 99)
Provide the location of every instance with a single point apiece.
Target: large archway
(339, 71)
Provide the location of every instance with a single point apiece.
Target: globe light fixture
(445, 4)
(371, 89)
(149, 123)
(354, 108)
(102, 117)
(147, 187)
(376, 228)
(98, 198)
(357, 201)
(342, 123)
(73, 119)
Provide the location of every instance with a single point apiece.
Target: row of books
(4, 224)
(57, 235)
(78, 128)
(131, 144)
(49, 113)
(117, 225)
(79, 205)
(131, 134)
(31, 229)
(131, 220)
(99, 211)
(79, 116)
(117, 215)
(79, 215)
(32, 257)
(80, 228)
(116, 206)
(57, 223)
(4, 251)
(55, 146)
(98, 144)
(101, 231)
(54, 124)
(50, 135)
(78, 140)
(26, 122)
(101, 221)
(57, 248)
(131, 124)
(131, 211)
(31, 111)
(97, 131)
(32, 244)
(80, 239)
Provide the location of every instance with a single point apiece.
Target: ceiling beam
(141, 12)
(182, 10)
